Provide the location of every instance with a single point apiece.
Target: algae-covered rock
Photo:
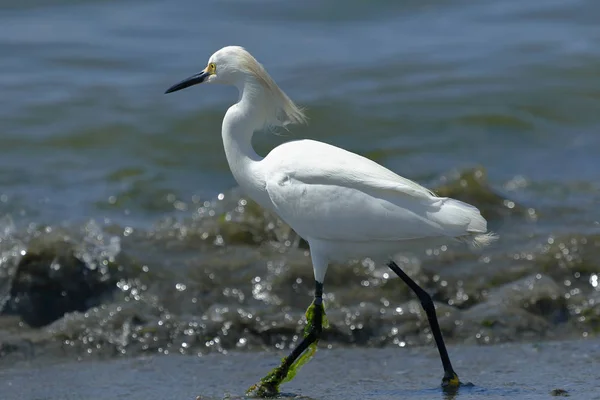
(471, 186)
(51, 281)
(491, 322)
(537, 294)
(578, 254)
(237, 220)
(525, 308)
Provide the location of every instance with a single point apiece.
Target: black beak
(191, 81)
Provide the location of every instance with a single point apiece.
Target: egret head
(228, 65)
(233, 65)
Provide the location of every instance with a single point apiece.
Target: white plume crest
(286, 112)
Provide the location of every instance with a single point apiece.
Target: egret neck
(242, 119)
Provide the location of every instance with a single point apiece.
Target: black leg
(269, 385)
(450, 378)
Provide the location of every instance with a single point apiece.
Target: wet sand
(516, 371)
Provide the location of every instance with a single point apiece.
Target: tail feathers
(479, 239)
(469, 226)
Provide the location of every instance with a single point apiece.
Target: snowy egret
(344, 205)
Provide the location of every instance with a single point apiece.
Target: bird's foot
(263, 390)
(269, 385)
(450, 380)
(451, 383)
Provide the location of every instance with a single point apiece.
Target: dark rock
(537, 294)
(517, 310)
(51, 281)
(490, 322)
(559, 392)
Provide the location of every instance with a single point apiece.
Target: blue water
(425, 88)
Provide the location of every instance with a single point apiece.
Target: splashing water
(11, 250)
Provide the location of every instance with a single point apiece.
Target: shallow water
(122, 233)
(521, 371)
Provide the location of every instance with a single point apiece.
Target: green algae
(312, 349)
(269, 385)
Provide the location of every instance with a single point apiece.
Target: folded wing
(325, 192)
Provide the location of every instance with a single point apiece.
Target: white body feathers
(348, 206)
(327, 193)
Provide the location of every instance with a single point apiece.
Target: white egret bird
(344, 205)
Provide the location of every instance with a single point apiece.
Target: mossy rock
(472, 187)
(51, 281)
(572, 254)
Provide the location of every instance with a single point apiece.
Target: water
(422, 87)
(520, 371)
(106, 183)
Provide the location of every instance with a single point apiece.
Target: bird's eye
(212, 68)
